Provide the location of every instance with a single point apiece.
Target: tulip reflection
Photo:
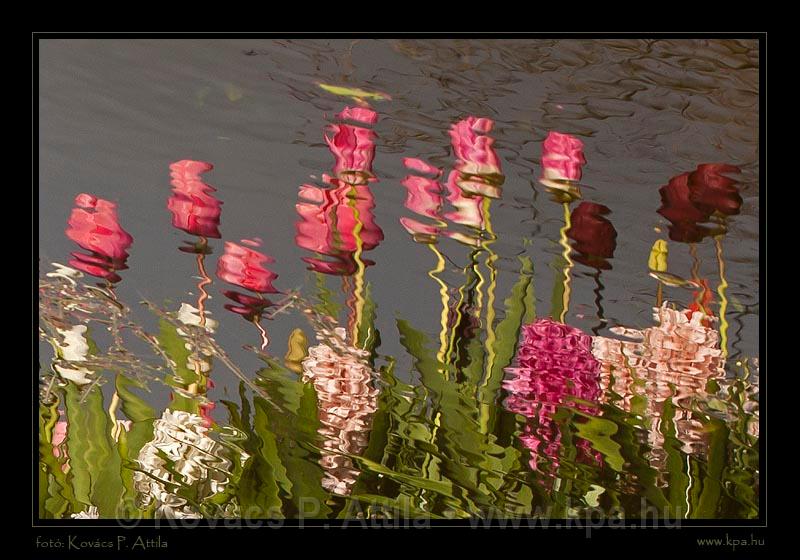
(562, 165)
(556, 369)
(194, 209)
(347, 402)
(593, 235)
(672, 361)
(94, 226)
(476, 178)
(696, 203)
(244, 267)
(337, 221)
(478, 166)
(464, 200)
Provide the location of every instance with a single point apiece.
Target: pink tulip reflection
(194, 209)
(353, 147)
(244, 267)
(337, 221)
(562, 158)
(476, 176)
(424, 197)
(94, 226)
(478, 167)
(672, 360)
(555, 369)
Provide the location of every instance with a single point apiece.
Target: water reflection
(181, 467)
(337, 222)
(562, 165)
(488, 405)
(194, 209)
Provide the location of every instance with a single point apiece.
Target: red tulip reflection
(194, 209)
(696, 203)
(244, 267)
(555, 369)
(337, 221)
(94, 226)
(593, 235)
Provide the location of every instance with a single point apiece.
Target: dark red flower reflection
(194, 209)
(244, 267)
(93, 224)
(690, 200)
(555, 369)
(337, 221)
(594, 235)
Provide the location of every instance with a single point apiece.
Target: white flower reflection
(72, 348)
(91, 513)
(181, 460)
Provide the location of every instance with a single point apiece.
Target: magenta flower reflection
(337, 221)
(94, 226)
(194, 209)
(555, 369)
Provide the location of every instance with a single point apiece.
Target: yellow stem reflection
(491, 336)
(358, 289)
(723, 299)
(567, 278)
(440, 265)
(491, 258)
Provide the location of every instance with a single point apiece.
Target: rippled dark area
(444, 278)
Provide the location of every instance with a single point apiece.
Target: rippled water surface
(444, 278)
